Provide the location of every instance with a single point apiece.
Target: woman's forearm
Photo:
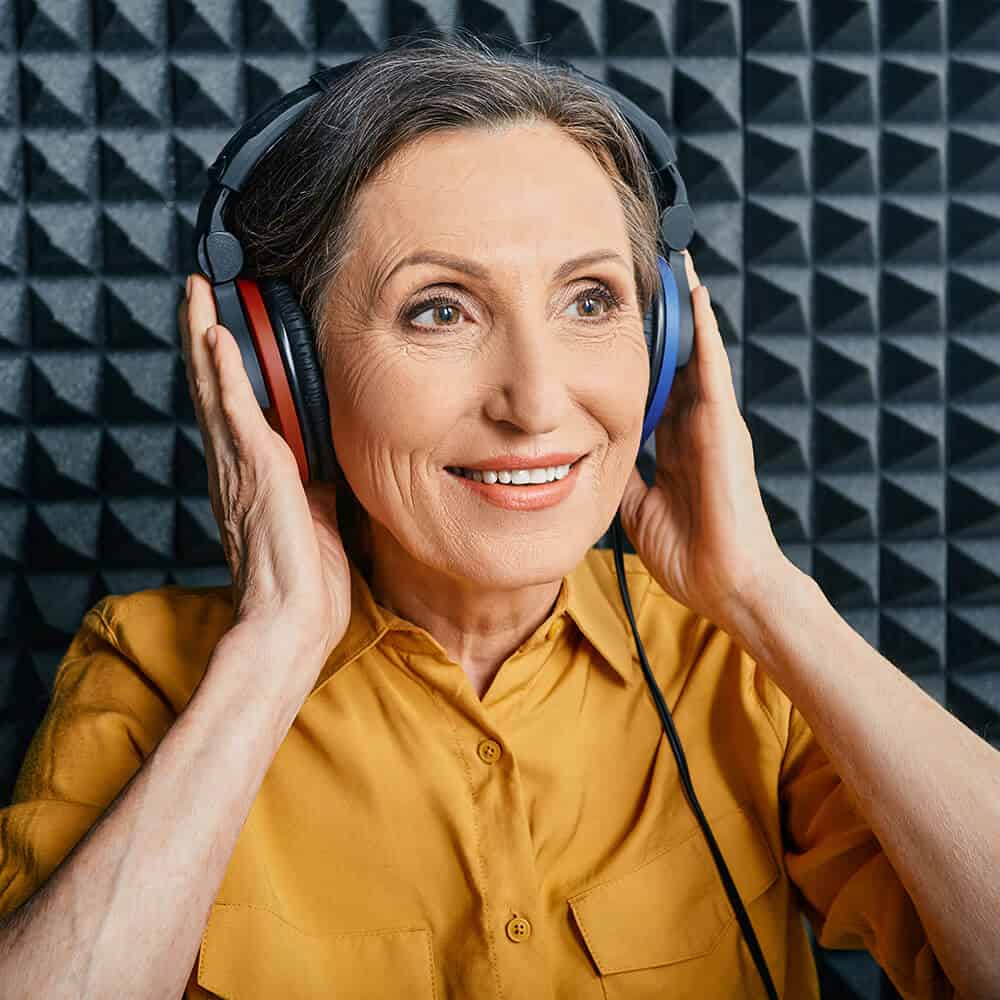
(928, 786)
(129, 904)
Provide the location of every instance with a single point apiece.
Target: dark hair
(296, 218)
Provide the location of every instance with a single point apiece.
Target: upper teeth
(519, 477)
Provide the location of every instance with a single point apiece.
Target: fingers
(715, 374)
(237, 403)
(196, 319)
(692, 275)
(228, 410)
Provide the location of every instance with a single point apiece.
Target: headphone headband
(220, 253)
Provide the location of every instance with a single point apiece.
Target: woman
(416, 758)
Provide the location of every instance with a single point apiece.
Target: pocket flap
(249, 953)
(674, 906)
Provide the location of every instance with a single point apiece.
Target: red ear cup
(281, 415)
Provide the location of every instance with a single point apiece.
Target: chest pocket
(249, 953)
(671, 909)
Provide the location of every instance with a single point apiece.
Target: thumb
(715, 374)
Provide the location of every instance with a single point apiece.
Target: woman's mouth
(521, 489)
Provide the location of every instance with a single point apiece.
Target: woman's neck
(477, 626)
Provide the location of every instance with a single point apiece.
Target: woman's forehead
(530, 187)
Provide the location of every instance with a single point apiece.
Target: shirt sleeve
(104, 717)
(851, 894)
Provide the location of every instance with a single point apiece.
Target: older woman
(418, 759)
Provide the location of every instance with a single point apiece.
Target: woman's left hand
(701, 529)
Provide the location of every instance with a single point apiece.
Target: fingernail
(187, 287)
(210, 336)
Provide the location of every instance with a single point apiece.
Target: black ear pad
(654, 330)
(294, 335)
(647, 329)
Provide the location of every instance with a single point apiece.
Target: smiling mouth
(516, 477)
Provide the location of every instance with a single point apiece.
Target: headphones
(279, 353)
(275, 336)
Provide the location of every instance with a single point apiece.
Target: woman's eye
(448, 310)
(598, 302)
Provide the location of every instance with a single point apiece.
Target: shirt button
(518, 929)
(489, 751)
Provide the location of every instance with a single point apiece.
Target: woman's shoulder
(166, 634)
(145, 618)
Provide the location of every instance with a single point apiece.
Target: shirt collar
(595, 605)
(589, 596)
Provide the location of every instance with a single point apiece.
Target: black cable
(617, 536)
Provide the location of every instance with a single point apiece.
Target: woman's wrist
(273, 654)
(761, 599)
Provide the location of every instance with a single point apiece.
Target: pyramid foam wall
(843, 160)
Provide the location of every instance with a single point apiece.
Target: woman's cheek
(409, 403)
(389, 409)
(617, 391)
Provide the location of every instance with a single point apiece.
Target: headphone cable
(617, 535)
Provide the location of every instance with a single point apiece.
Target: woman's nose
(528, 382)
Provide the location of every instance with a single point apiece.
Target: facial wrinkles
(450, 524)
(458, 377)
(386, 359)
(365, 371)
(391, 471)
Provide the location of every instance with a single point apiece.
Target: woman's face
(523, 353)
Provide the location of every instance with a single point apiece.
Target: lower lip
(534, 496)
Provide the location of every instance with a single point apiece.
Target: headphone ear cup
(294, 335)
(662, 321)
(262, 353)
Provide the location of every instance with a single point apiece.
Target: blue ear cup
(669, 336)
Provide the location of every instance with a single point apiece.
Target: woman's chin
(513, 563)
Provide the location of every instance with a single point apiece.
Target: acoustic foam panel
(843, 160)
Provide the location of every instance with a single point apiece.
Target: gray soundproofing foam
(843, 160)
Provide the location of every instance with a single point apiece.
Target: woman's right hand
(281, 539)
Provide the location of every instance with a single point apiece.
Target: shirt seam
(366, 932)
(102, 629)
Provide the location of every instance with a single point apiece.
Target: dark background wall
(843, 160)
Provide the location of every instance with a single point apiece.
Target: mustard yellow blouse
(411, 841)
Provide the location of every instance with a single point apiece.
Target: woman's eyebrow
(477, 270)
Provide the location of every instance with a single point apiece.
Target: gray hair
(296, 216)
